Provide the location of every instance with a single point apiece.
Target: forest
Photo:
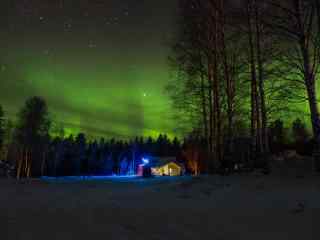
(33, 151)
(243, 68)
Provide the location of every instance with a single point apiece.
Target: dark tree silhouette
(32, 133)
(2, 130)
(277, 136)
(206, 57)
(80, 160)
(297, 24)
(299, 131)
(223, 49)
(300, 136)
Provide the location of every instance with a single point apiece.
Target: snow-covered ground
(235, 207)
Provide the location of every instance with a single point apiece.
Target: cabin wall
(168, 170)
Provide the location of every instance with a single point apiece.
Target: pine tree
(31, 132)
(2, 129)
(300, 133)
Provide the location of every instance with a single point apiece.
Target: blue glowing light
(145, 160)
(90, 178)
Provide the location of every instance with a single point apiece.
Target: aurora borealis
(101, 66)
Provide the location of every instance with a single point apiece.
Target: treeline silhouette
(31, 152)
(28, 150)
(74, 156)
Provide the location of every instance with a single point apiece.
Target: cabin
(166, 166)
(169, 169)
(161, 166)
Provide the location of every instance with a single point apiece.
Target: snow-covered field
(236, 207)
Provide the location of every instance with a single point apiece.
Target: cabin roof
(161, 161)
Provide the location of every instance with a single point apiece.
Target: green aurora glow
(103, 80)
(98, 78)
(108, 99)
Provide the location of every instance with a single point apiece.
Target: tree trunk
(254, 98)
(264, 120)
(313, 104)
(43, 163)
(20, 164)
(216, 90)
(28, 163)
(317, 6)
(211, 118)
(310, 71)
(229, 81)
(315, 120)
(205, 121)
(217, 111)
(310, 82)
(204, 108)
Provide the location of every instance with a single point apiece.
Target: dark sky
(100, 64)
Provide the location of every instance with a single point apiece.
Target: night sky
(100, 64)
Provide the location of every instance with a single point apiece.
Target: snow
(215, 207)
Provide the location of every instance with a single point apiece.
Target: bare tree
(207, 57)
(297, 24)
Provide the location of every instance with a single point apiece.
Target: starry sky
(100, 64)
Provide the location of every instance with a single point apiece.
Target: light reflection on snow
(126, 178)
(86, 178)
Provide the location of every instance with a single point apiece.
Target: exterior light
(145, 160)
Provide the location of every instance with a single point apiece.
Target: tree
(299, 131)
(32, 132)
(80, 161)
(297, 24)
(300, 135)
(9, 142)
(259, 55)
(189, 59)
(277, 136)
(207, 61)
(2, 129)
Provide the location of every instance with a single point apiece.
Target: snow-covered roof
(161, 161)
